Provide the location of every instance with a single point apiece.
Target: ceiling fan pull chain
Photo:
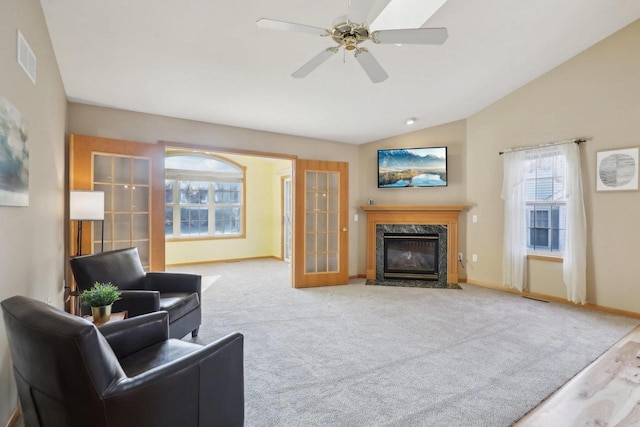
(344, 56)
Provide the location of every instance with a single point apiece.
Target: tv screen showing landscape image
(412, 167)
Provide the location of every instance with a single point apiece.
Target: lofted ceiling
(206, 60)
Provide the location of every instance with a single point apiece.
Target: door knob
(345, 229)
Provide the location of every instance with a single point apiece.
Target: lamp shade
(86, 205)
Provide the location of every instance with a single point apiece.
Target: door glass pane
(122, 227)
(333, 201)
(121, 245)
(143, 250)
(140, 226)
(333, 262)
(334, 182)
(141, 171)
(106, 188)
(310, 242)
(101, 168)
(122, 170)
(310, 263)
(322, 222)
(310, 201)
(310, 223)
(322, 201)
(322, 263)
(311, 181)
(121, 198)
(333, 221)
(322, 242)
(322, 181)
(140, 199)
(108, 228)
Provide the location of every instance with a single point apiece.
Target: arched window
(204, 196)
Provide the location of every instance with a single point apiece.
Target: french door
(131, 175)
(321, 239)
(287, 218)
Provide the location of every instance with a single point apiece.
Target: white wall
(32, 252)
(451, 135)
(596, 94)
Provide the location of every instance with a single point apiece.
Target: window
(203, 196)
(544, 211)
(546, 216)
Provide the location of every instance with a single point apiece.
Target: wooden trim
(443, 208)
(15, 416)
(545, 258)
(218, 261)
(587, 306)
(213, 150)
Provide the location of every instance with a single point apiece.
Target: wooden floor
(606, 393)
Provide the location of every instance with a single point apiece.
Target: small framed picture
(617, 170)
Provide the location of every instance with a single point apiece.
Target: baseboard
(535, 295)
(13, 419)
(186, 264)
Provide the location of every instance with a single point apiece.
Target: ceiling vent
(26, 58)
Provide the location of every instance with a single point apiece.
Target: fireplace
(440, 220)
(410, 256)
(418, 253)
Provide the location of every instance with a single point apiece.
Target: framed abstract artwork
(617, 170)
(14, 157)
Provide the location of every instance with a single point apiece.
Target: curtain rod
(564, 141)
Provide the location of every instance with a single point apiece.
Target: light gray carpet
(359, 355)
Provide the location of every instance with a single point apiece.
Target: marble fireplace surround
(446, 216)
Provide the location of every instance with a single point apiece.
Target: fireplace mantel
(444, 208)
(435, 215)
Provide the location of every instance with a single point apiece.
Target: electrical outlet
(459, 256)
(49, 301)
(474, 257)
(475, 219)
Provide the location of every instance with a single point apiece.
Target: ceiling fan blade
(370, 66)
(270, 24)
(411, 36)
(315, 62)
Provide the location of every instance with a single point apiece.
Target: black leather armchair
(128, 373)
(179, 294)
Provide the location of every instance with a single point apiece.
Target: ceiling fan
(349, 32)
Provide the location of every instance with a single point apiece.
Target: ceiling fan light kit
(349, 35)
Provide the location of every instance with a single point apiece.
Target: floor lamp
(86, 206)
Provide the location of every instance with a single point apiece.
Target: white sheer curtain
(514, 263)
(574, 265)
(514, 260)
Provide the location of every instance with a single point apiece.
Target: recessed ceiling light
(410, 121)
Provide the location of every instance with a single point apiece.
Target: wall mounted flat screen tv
(412, 167)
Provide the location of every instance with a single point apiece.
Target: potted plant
(100, 298)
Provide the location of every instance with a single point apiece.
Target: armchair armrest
(204, 387)
(132, 335)
(174, 282)
(138, 302)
